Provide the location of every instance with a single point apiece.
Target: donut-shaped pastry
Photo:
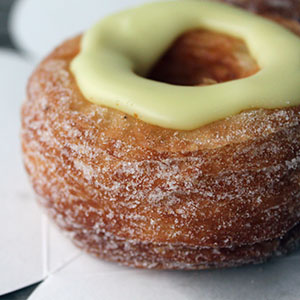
(146, 186)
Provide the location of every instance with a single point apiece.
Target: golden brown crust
(202, 57)
(180, 256)
(128, 190)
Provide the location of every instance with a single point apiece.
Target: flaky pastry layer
(224, 194)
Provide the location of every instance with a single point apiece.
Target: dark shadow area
(5, 39)
(21, 294)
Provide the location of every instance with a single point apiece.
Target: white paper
(87, 278)
(58, 249)
(30, 249)
(20, 220)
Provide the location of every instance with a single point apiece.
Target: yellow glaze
(118, 51)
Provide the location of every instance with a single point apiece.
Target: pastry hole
(203, 57)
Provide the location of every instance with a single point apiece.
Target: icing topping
(118, 51)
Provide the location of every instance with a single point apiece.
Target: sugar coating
(221, 195)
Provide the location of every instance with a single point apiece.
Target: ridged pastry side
(224, 194)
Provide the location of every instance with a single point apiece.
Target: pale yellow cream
(118, 51)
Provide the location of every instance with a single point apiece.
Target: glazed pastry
(204, 175)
